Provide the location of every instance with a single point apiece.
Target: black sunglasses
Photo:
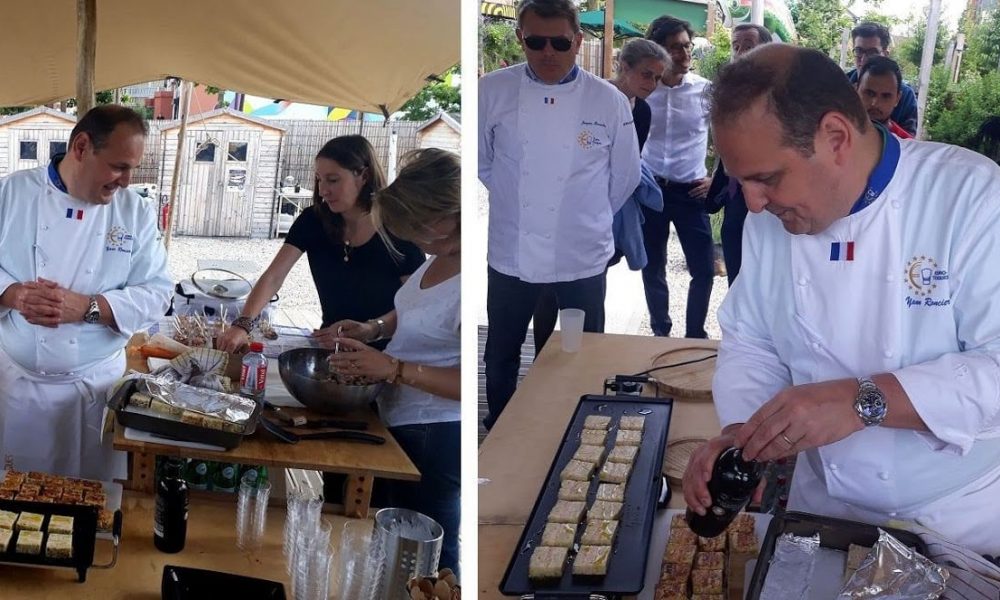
(537, 42)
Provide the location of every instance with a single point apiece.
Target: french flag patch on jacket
(842, 251)
(74, 214)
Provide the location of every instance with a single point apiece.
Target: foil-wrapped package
(195, 405)
(201, 367)
(791, 568)
(894, 572)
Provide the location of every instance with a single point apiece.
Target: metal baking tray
(84, 537)
(837, 534)
(170, 428)
(627, 564)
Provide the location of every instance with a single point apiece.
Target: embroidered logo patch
(923, 275)
(118, 240)
(588, 140)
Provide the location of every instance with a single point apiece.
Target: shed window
(206, 153)
(56, 148)
(238, 151)
(29, 151)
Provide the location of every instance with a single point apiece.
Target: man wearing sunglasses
(559, 155)
(873, 39)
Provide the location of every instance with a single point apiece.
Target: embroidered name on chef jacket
(842, 251)
(118, 240)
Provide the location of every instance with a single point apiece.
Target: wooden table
(211, 544)
(361, 462)
(516, 455)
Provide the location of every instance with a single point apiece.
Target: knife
(301, 421)
(291, 437)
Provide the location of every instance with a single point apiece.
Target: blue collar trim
(883, 172)
(54, 172)
(568, 78)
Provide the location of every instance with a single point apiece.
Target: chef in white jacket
(862, 333)
(559, 155)
(81, 269)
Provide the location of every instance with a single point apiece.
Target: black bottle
(170, 518)
(731, 487)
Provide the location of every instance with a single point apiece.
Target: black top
(642, 115)
(361, 288)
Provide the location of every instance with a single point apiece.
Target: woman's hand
(233, 339)
(326, 337)
(357, 359)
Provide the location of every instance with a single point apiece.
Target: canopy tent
(593, 23)
(370, 56)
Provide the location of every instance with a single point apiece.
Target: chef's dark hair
(663, 27)
(882, 65)
(870, 29)
(101, 121)
(550, 9)
(353, 153)
(799, 92)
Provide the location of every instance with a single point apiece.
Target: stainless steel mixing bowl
(307, 376)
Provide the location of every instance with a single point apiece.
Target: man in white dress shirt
(82, 269)
(675, 152)
(559, 155)
(861, 333)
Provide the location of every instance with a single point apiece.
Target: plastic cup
(251, 514)
(571, 328)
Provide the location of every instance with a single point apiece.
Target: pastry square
(742, 522)
(709, 560)
(600, 422)
(59, 545)
(573, 490)
(5, 535)
(29, 542)
(683, 555)
(591, 454)
(593, 437)
(10, 483)
(14, 477)
(34, 477)
(628, 437)
(140, 400)
(715, 544)
(706, 581)
(72, 497)
(60, 524)
(29, 522)
(193, 418)
(741, 542)
(94, 486)
(632, 423)
(547, 562)
(26, 497)
(608, 511)
(7, 494)
(668, 592)
(592, 560)
(615, 472)
(576, 470)
(612, 492)
(623, 454)
(7, 519)
(678, 522)
(567, 512)
(95, 499)
(559, 534)
(708, 597)
(683, 537)
(31, 489)
(599, 532)
(105, 520)
(675, 574)
(855, 555)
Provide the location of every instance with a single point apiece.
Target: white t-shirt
(428, 332)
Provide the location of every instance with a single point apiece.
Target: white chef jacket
(559, 161)
(678, 130)
(113, 250)
(917, 301)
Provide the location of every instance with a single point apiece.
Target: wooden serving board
(678, 454)
(686, 382)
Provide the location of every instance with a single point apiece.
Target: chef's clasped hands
(46, 303)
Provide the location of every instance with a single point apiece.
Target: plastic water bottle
(253, 375)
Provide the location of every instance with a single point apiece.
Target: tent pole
(927, 63)
(86, 47)
(757, 12)
(609, 36)
(172, 209)
(710, 19)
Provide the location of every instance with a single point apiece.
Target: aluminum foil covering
(791, 568)
(894, 572)
(201, 367)
(228, 407)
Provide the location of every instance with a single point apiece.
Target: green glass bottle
(197, 475)
(224, 479)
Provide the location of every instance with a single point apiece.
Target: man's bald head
(797, 85)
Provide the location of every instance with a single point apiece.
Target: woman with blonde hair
(422, 361)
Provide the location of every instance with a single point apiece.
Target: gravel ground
(298, 290)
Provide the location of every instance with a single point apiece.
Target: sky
(951, 10)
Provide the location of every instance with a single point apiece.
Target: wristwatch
(245, 323)
(93, 314)
(379, 335)
(870, 403)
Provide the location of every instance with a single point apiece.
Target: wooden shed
(443, 131)
(29, 139)
(230, 174)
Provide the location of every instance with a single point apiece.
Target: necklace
(347, 250)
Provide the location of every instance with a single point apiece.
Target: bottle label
(227, 472)
(201, 469)
(244, 374)
(261, 377)
(729, 503)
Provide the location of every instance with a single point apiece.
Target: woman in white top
(422, 361)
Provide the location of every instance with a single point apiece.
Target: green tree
(982, 45)
(717, 55)
(913, 49)
(433, 98)
(819, 23)
(498, 45)
(962, 108)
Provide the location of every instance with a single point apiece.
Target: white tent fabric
(362, 55)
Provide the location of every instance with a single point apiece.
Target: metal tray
(112, 491)
(837, 534)
(170, 428)
(84, 537)
(627, 564)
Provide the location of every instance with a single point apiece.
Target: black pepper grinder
(170, 518)
(731, 487)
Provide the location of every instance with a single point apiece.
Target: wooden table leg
(142, 472)
(358, 498)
